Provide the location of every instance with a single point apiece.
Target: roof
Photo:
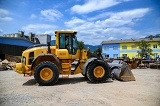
(65, 31)
(129, 40)
(16, 41)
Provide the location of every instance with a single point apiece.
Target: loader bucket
(124, 73)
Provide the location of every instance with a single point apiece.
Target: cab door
(68, 45)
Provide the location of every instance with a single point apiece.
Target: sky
(94, 20)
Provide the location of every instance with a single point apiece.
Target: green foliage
(94, 52)
(145, 49)
(153, 36)
(80, 45)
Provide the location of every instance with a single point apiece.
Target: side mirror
(48, 38)
(49, 49)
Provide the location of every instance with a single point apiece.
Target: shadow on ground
(30, 82)
(63, 81)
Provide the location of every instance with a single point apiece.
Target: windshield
(75, 45)
(68, 41)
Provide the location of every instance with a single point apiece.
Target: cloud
(51, 14)
(33, 16)
(129, 15)
(38, 28)
(101, 16)
(75, 21)
(4, 15)
(94, 5)
(136, 13)
(115, 25)
(113, 20)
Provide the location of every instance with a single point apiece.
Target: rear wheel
(46, 73)
(97, 71)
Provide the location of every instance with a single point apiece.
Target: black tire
(52, 67)
(84, 75)
(90, 72)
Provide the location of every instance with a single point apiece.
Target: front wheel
(98, 71)
(46, 73)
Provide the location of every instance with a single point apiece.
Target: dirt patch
(16, 90)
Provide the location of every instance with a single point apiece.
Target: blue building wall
(108, 49)
(13, 46)
(16, 41)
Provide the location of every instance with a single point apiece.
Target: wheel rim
(99, 72)
(46, 74)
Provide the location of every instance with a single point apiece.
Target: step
(65, 70)
(25, 75)
(66, 65)
(65, 76)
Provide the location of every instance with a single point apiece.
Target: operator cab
(68, 40)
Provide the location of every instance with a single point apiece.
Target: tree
(144, 49)
(96, 50)
(80, 45)
(153, 36)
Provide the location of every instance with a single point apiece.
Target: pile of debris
(6, 65)
(155, 65)
(12, 58)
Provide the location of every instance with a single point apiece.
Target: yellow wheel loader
(46, 63)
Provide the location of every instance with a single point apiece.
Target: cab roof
(65, 31)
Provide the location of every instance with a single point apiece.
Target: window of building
(115, 48)
(134, 47)
(155, 55)
(107, 55)
(124, 47)
(106, 47)
(115, 55)
(155, 46)
(124, 55)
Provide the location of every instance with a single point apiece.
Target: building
(111, 49)
(15, 43)
(43, 38)
(128, 48)
(13, 46)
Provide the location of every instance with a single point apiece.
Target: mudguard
(51, 56)
(86, 64)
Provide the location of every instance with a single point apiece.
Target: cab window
(62, 41)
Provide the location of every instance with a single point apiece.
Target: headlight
(23, 60)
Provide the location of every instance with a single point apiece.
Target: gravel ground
(16, 90)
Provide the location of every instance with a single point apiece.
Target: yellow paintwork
(133, 52)
(129, 51)
(61, 31)
(79, 68)
(46, 74)
(158, 47)
(129, 45)
(66, 65)
(20, 68)
(62, 54)
(99, 72)
(152, 43)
